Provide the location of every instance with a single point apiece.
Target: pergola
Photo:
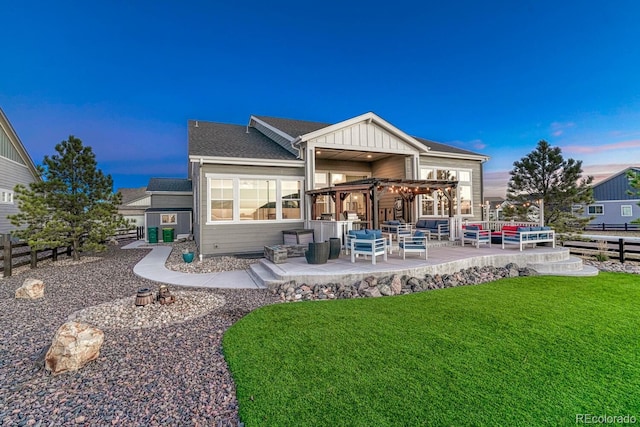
(374, 188)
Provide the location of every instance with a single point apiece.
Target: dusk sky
(493, 77)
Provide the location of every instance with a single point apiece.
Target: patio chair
(476, 235)
(368, 246)
(416, 243)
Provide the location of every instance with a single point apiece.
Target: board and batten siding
(476, 177)
(616, 188)
(364, 135)
(11, 174)
(226, 238)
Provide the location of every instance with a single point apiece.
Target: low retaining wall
(371, 287)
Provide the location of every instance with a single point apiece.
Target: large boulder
(74, 345)
(31, 289)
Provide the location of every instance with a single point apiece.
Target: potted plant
(187, 255)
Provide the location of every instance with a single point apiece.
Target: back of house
(16, 167)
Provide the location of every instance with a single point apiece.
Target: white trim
(368, 118)
(246, 161)
(622, 208)
(447, 155)
(273, 129)
(169, 193)
(632, 201)
(175, 214)
(236, 198)
(9, 194)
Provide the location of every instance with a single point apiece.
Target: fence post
(621, 249)
(603, 227)
(626, 226)
(6, 242)
(54, 254)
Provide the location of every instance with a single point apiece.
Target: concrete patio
(443, 259)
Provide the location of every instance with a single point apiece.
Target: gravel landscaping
(158, 366)
(146, 374)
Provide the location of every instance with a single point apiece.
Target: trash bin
(152, 234)
(167, 235)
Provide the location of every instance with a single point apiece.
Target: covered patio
(374, 189)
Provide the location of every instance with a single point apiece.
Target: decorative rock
(372, 293)
(74, 345)
(31, 289)
(396, 285)
(385, 290)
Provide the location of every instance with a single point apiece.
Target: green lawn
(517, 352)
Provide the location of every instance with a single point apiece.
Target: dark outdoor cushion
(473, 227)
(393, 222)
(404, 245)
(421, 223)
(375, 232)
(358, 234)
(520, 229)
(419, 233)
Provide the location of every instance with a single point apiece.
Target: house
(16, 167)
(170, 205)
(252, 182)
(613, 203)
(135, 202)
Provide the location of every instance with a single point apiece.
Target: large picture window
(254, 198)
(436, 204)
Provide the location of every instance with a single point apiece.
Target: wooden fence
(17, 254)
(613, 227)
(620, 248)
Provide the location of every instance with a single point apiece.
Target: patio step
(263, 276)
(569, 267)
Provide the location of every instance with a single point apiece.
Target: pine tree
(74, 205)
(545, 174)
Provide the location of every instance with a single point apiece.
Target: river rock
(31, 289)
(74, 345)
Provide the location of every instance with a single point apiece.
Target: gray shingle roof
(291, 127)
(131, 194)
(443, 148)
(169, 184)
(225, 140)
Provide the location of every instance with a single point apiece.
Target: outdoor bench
(436, 227)
(521, 236)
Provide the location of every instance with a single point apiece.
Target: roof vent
(196, 123)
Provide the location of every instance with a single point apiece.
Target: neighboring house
(135, 202)
(16, 167)
(249, 181)
(613, 203)
(170, 205)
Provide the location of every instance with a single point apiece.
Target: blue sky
(493, 77)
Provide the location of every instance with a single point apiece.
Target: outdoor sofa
(521, 236)
(436, 227)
